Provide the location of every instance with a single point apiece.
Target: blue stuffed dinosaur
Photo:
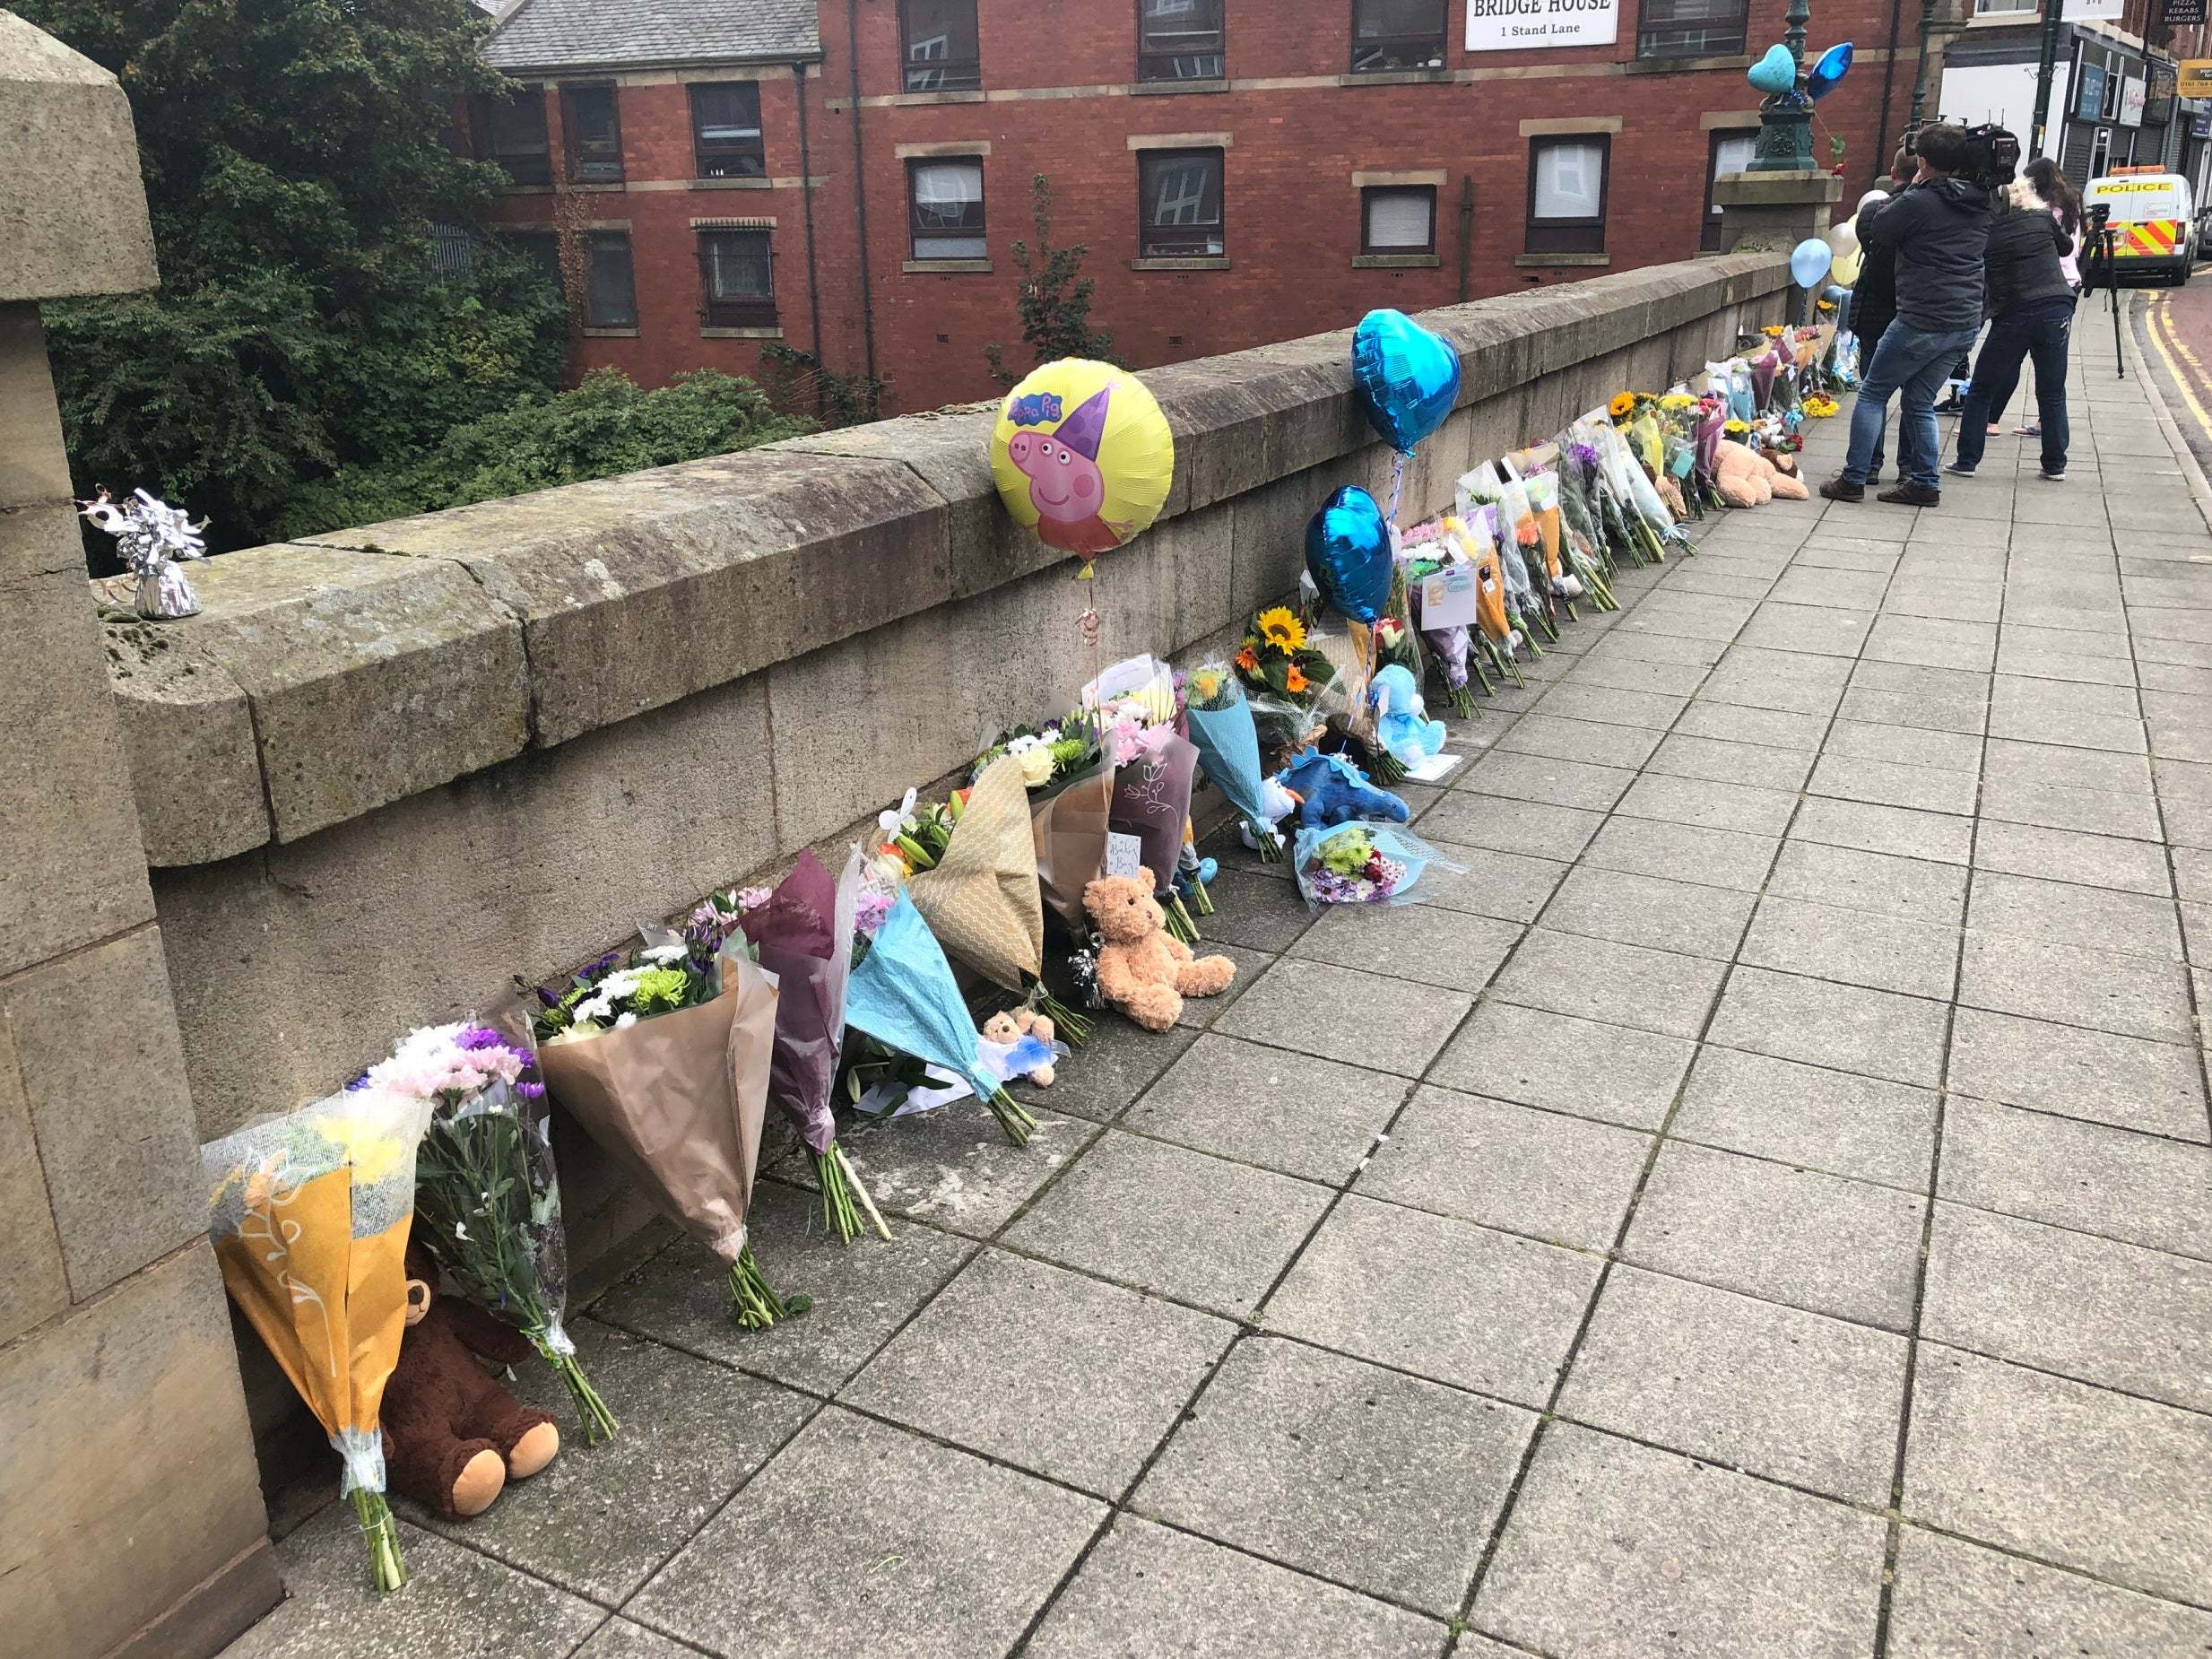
(1333, 791)
(1400, 724)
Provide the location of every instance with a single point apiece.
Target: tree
(300, 184)
(1054, 300)
(606, 425)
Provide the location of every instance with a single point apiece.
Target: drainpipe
(806, 200)
(1886, 147)
(860, 194)
(1467, 227)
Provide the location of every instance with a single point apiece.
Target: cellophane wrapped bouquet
(309, 1214)
(487, 1197)
(1285, 676)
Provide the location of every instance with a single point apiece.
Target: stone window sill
(1540, 260)
(514, 190)
(1396, 261)
(734, 184)
(1179, 265)
(1685, 65)
(611, 333)
(740, 333)
(946, 267)
(598, 190)
(1169, 89)
(1397, 77)
(917, 100)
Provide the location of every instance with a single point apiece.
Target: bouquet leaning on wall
(309, 1216)
(487, 1198)
(664, 1060)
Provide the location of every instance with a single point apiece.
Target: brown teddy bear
(1143, 971)
(1009, 1028)
(452, 1436)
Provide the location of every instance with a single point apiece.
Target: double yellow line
(2159, 326)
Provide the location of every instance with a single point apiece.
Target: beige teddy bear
(1143, 971)
(1009, 1028)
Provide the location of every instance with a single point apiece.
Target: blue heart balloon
(1775, 73)
(1826, 76)
(1408, 379)
(1810, 261)
(1348, 554)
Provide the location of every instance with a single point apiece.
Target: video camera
(1992, 155)
(2100, 215)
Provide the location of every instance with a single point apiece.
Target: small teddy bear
(1143, 971)
(452, 1436)
(1008, 1029)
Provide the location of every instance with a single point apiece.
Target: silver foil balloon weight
(154, 540)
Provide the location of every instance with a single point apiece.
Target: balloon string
(1397, 481)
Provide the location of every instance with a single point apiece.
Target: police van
(2153, 218)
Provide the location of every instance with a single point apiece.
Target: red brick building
(1240, 170)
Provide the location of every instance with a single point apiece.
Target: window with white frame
(945, 199)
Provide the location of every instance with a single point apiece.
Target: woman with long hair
(2030, 305)
(2056, 191)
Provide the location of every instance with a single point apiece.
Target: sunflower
(1281, 629)
(1623, 404)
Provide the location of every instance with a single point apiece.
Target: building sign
(2090, 105)
(1528, 25)
(2093, 11)
(2196, 77)
(2180, 12)
(2131, 102)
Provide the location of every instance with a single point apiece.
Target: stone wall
(130, 1520)
(388, 769)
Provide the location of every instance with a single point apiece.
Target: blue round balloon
(1810, 261)
(1826, 76)
(1408, 379)
(1348, 554)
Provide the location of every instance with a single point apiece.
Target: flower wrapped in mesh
(1285, 676)
(982, 900)
(309, 1213)
(1363, 862)
(664, 1061)
(802, 932)
(487, 1195)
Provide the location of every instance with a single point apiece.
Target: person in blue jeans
(2031, 306)
(1939, 228)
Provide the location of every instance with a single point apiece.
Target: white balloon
(1872, 197)
(1843, 237)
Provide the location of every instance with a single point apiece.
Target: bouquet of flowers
(664, 1060)
(310, 1220)
(487, 1199)
(1483, 488)
(1284, 674)
(1429, 549)
(1152, 785)
(1228, 741)
(981, 897)
(903, 994)
(802, 932)
(915, 835)
(1361, 862)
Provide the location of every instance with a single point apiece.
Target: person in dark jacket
(1874, 306)
(1938, 230)
(2030, 307)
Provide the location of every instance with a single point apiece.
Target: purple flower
(529, 1090)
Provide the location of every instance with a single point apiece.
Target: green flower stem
(1066, 1021)
(851, 1177)
(1199, 893)
(755, 1304)
(1013, 1117)
(599, 1424)
(382, 1534)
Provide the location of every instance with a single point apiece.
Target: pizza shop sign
(1521, 25)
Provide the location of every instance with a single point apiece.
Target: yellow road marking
(2163, 337)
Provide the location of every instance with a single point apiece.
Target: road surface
(2174, 327)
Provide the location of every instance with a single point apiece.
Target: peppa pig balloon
(1082, 456)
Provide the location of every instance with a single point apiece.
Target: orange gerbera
(1247, 659)
(1294, 680)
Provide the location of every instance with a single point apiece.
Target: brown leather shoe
(1843, 489)
(1912, 495)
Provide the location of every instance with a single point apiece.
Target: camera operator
(1939, 227)
(2030, 307)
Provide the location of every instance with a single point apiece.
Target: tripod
(2108, 249)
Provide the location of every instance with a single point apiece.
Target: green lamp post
(1785, 141)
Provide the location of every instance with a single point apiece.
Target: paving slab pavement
(1763, 1206)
